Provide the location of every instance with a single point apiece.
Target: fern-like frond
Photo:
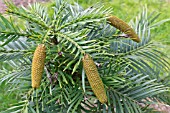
(127, 97)
(9, 32)
(39, 11)
(15, 50)
(18, 107)
(76, 18)
(27, 15)
(77, 45)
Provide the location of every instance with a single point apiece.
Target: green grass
(6, 98)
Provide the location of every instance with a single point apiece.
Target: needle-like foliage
(130, 72)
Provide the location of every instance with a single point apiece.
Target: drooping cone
(124, 27)
(94, 78)
(38, 63)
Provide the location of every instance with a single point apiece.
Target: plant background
(124, 9)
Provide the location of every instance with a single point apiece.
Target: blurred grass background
(126, 10)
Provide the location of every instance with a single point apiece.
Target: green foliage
(126, 9)
(130, 71)
(7, 99)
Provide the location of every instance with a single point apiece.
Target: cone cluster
(124, 27)
(94, 78)
(38, 63)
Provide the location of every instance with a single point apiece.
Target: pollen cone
(124, 27)
(38, 63)
(94, 78)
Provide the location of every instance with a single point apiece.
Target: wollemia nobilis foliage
(66, 59)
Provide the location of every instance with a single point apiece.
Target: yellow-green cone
(38, 63)
(94, 78)
(124, 27)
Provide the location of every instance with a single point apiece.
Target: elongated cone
(38, 63)
(94, 78)
(124, 27)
